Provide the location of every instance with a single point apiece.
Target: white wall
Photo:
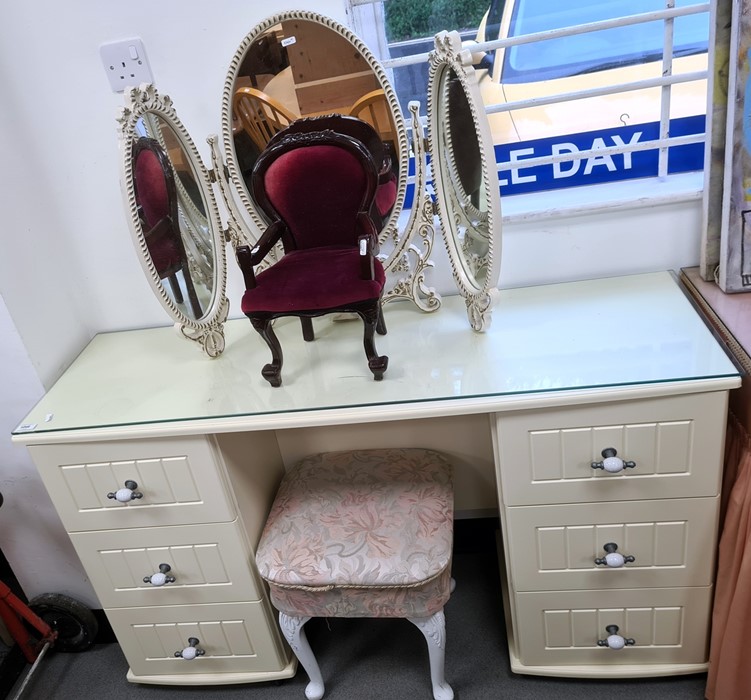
(68, 268)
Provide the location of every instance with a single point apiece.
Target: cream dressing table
(564, 372)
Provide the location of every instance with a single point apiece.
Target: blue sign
(596, 169)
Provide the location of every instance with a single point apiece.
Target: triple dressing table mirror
(292, 66)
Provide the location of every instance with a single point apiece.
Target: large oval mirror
(174, 217)
(300, 64)
(464, 176)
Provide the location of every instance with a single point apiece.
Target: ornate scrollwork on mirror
(464, 176)
(173, 217)
(299, 64)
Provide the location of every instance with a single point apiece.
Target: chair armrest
(245, 261)
(248, 258)
(159, 231)
(367, 242)
(267, 241)
(385, 174)
(367, 266)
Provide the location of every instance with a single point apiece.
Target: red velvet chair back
(152, 193)
(362, 131)
(342, 124)
(320, 185)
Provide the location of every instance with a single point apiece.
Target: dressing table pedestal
(566, 375)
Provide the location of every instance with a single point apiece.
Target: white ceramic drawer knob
(613, 558)
(160, 577)
(611, 462)
(126, 494)
(614, 640)
(191, 651)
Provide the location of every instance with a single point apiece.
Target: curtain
(729, 675)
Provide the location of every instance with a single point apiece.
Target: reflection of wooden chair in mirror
(316, 189)
(362, 131)
(373, 108)
(260, 115)
(156, 197)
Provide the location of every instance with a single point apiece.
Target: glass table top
(612, 332)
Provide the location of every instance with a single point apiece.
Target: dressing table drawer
(546, 456)
(562, 628)
(555, 547)
(237, 639)
(210, 563)
(181, 481)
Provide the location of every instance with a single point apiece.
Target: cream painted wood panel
(554, 547)
(236, 637)
(668, 625)
(545, 456)
(210, 563)
(180, 478)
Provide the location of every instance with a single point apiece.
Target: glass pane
(594, 51)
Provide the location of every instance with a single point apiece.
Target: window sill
(576, 201)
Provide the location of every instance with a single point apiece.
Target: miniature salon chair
(316, 189)
(362, 534)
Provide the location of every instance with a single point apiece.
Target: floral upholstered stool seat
(362, 534)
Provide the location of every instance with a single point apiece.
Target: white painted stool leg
(292, 628)
(434, 630)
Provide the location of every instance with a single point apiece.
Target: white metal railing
(666, 81)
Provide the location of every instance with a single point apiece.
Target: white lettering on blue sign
(595, 168)
(561, 169)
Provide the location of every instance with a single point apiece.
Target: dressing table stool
(364, 533)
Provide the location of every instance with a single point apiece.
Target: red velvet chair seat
(313, 280)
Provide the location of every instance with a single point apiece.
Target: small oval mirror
(174, 218)
(464, 176)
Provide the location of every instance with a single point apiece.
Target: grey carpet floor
(375, 660)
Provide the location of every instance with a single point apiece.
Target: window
(582, 54)
(579, 92)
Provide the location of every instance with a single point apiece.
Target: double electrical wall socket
(125, 63)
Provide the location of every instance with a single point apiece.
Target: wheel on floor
(75, 624)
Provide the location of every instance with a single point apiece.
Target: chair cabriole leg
(377, 363)
(272, 372)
